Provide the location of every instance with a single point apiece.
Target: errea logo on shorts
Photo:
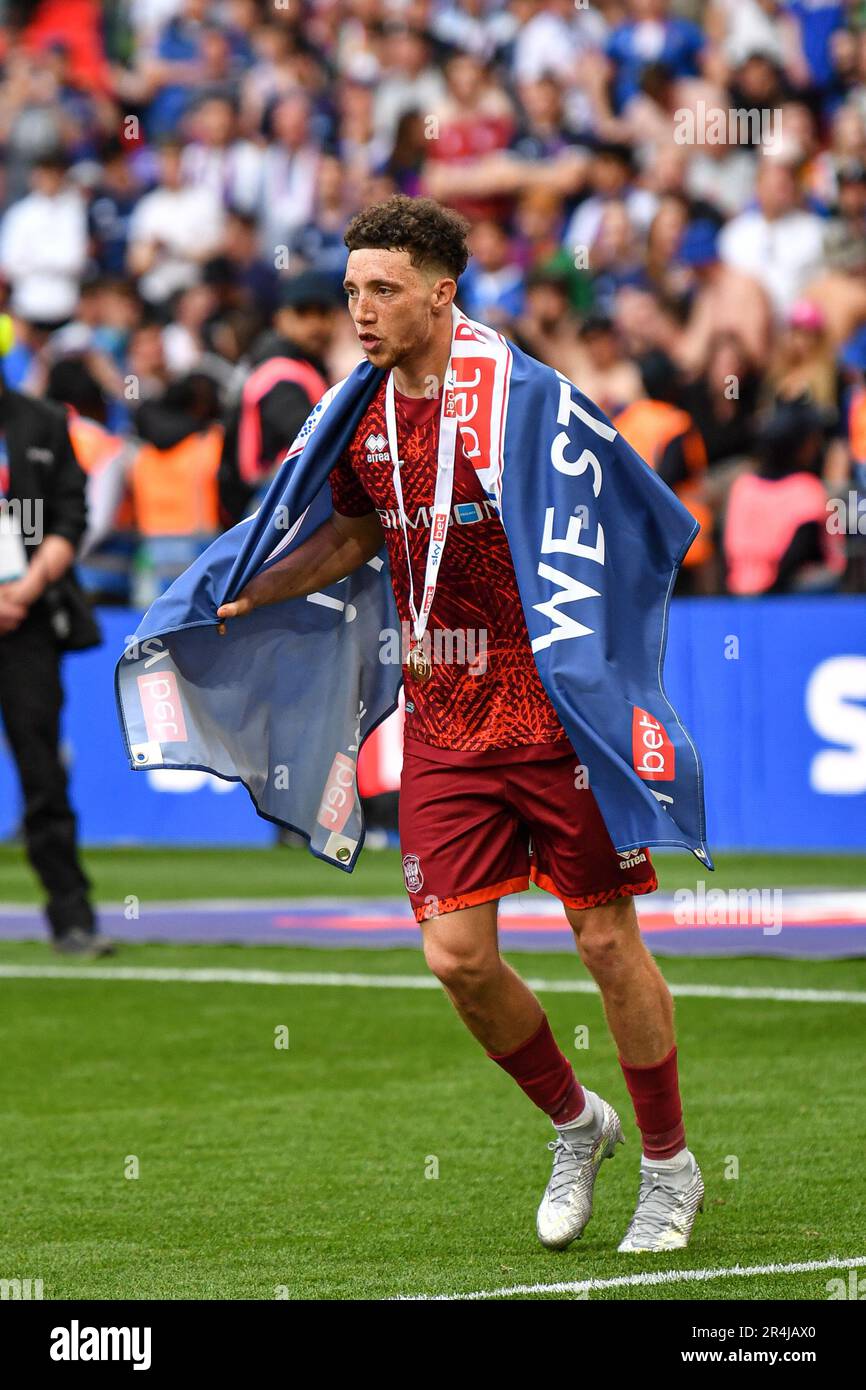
(377, 448)
(632, 858)
(412, 874)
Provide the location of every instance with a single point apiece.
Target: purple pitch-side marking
(523, 927)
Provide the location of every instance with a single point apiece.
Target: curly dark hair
(434, 236)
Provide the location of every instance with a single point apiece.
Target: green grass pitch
(307, 1171)
(303, 1171)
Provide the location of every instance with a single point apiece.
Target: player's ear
(443, 293)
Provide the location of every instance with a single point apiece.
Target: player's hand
(239, 608)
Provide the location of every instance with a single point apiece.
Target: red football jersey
(484, 693)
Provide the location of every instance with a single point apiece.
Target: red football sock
(655, 1094)
(545, 1074)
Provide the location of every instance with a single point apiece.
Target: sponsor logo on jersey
(652, 750)
(412, 873)
(462, 514)
(377, 448)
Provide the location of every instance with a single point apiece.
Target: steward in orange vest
(669, 441)
(107, 550)
(287, 377)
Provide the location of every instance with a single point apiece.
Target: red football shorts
(469, 834)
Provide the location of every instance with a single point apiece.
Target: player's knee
(605, 935)
(464, 973)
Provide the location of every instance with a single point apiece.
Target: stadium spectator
(216, 159)
(172, 66)
(43, 245)
(407, 79)
(560, 124)
(319, 244)
(611, 179)
(548, 323)
(668, 440)
(850, 208)
(491, 287)
(722, 400)
(803, 367)
(839, 286)
(290, 170)
(288, 375)
(173, 230)
(776, 534)
(779, 242)
(652, 35)
(240, 267)
(605, 373)
(474, 118)
(725, 297)
(111, 207)
(107, 549)
(174, 480)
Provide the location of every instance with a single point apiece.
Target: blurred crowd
(667, 201)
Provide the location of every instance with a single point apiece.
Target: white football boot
(577, 1155)
(668, 1201)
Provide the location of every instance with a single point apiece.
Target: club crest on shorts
(412, 873)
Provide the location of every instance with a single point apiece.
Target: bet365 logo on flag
(651, 750)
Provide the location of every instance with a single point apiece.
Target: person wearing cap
(288, 376)
(803, 367)
(43, 613)
(725, 299)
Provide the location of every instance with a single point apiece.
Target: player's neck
(414, 375)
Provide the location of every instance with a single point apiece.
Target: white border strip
(668, 1276)
(222, 976)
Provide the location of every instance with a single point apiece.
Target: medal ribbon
(441, 500)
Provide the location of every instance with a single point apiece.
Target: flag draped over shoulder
(285, 699)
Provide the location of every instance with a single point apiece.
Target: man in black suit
(42, 614)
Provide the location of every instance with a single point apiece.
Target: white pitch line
(221, 976)
(670, 1276)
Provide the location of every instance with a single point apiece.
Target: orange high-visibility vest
(649, 427)
(95, 448)
(175, 490)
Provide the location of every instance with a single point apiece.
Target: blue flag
(285, 699)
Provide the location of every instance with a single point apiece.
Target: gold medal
(419, 664)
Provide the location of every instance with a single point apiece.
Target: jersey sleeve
(347, 492)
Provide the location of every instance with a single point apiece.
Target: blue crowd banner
(773, 690)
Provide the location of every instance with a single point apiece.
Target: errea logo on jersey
(377, 448)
